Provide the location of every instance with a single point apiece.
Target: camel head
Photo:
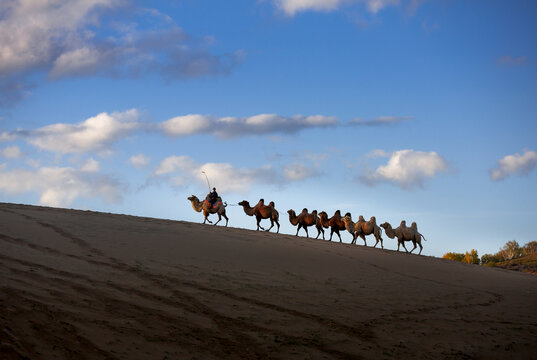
(192, 198)
(244, 203)
(385, 225)
(291, 212)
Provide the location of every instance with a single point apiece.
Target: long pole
(209, 185)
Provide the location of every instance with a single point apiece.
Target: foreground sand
(87, 285)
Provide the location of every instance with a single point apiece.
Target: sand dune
(87, 285)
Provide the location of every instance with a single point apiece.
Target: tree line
(511, 250)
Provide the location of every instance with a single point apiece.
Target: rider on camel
(213, 197)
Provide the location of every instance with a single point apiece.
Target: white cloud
(72, 38)
(296, 172)
(184, 171)
(139, 160)
(407, 168)
(76, 62)
(291, 7)
(60, 186)
(186, 125)
(91, 165)
(33, 33)
(5, 137)
(11, 152)
(94, 134)
(374, 6)
(230, 127)
(514, 164)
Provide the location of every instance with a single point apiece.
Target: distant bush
(489, 259)
(511, 250)
(471, 257)
(529, 248)
(453, 256)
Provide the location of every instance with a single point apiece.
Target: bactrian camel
(262, 211)
(363, 228)
(336, 223)
(322, 222)
(404, 233)
(303, 220)
(219, 208)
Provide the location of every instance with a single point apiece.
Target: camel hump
(271, 204)
(414, 226)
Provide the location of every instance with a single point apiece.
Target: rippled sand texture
(87, 285)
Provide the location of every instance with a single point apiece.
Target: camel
(336, 223)
(322, 223)
(262, 211)
(404, 233)
(363, 228)
(319, 225)
(303, 220)
(219, 208)
(353, 228)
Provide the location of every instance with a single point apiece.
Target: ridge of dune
(90, 285)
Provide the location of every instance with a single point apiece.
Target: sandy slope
(86, 285)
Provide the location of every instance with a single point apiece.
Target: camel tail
(225, 204)
(422, 236)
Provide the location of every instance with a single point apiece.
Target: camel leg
(413, 242)
(339, 236)
(307, 235)
(331, 233)
(271, 225)
(403, 243)
(298, 228)
(277, 223)
(258, 225)
(363, 238)
(421, 248)
(219, 218)
(225, 217)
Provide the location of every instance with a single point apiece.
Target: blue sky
(417, 110)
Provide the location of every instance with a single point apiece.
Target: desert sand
(88, 285)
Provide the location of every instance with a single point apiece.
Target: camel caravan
(320, 220)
